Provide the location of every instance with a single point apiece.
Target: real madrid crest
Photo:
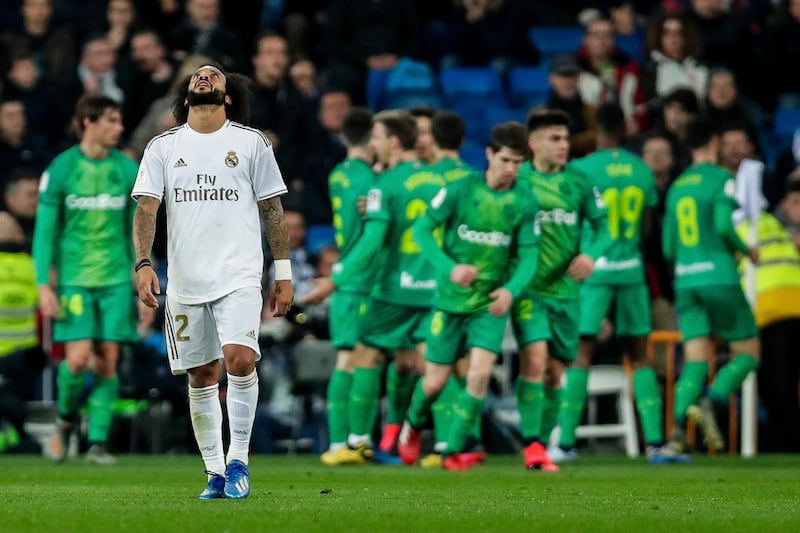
(231, 160)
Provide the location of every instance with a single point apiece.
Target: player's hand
(502, 301)
(753, 254)
(463, 275)
(147, 317)
(324, 287)
(581, 267)
(361, 205)
(281, 297)
(48, 303)
(147, 285)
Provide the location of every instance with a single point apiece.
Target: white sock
(206, 412)
(354, 441)
(242, 403)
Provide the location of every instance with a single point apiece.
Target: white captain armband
(283, 270)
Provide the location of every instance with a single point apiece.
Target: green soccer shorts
(722, 310)
(96, 313)
(632, 309)
(346, 312)
(536, 317)
(391, 326)
(450, 335)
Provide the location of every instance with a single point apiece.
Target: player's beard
(215, 97)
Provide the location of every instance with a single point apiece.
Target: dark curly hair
(237, 86)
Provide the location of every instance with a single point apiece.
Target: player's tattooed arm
(271, 211)
(144, 225)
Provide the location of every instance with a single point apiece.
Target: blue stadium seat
(376, 84)
(407, 99)
(476, 85)
(553, 41)
(498, 114)
(318, 237)
(409, 84)
(528, 86)
(787, 121)
(633, 45)
(474, 154)
(468, 91)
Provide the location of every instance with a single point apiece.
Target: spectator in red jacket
(610, 75)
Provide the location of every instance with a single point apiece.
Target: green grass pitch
(158, 493)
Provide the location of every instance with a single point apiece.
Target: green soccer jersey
(451, 169)
(566, 198)
(351, 179)
(401, 197)
(628, 188)
(698, 231)
(84, 224)
(484, 228)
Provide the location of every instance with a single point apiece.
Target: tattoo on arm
(144, 226)
(271, 211)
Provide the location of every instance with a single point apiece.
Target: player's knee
(78, 359)
(751, 347)
(239, 360)
(434, 382)
(367, 357)
(203, 376)
(552, 376)
(478, 379)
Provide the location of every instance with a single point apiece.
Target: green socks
(689, 387)
(552, 405)
(101, 404)
(338, 406)
(398, 394)
(572, 405)
(442, 409)
(420, 407)
(475, 432)
(70, 387)
(530, 403)
(364, 396)
(466, 412)
(648, 403)
(730, 377)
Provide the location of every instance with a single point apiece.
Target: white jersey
(210, 183)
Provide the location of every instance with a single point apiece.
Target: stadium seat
(556, 40)
(787, 121)
(406, 99)
(318, 237)
(633, 45)
(528, 86)
(474, 154)
(609, 379)
(313, 362)
(468, 91)
(475, 86)
(376, 84)
(498, 114)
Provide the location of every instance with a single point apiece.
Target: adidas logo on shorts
(180, 163)
(251, 334)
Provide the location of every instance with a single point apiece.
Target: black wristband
(141, 263)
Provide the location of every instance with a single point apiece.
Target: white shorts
(196, 333)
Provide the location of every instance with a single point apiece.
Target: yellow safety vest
(18, 297)
(777, 271)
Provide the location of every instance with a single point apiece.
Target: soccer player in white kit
(216, 177)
